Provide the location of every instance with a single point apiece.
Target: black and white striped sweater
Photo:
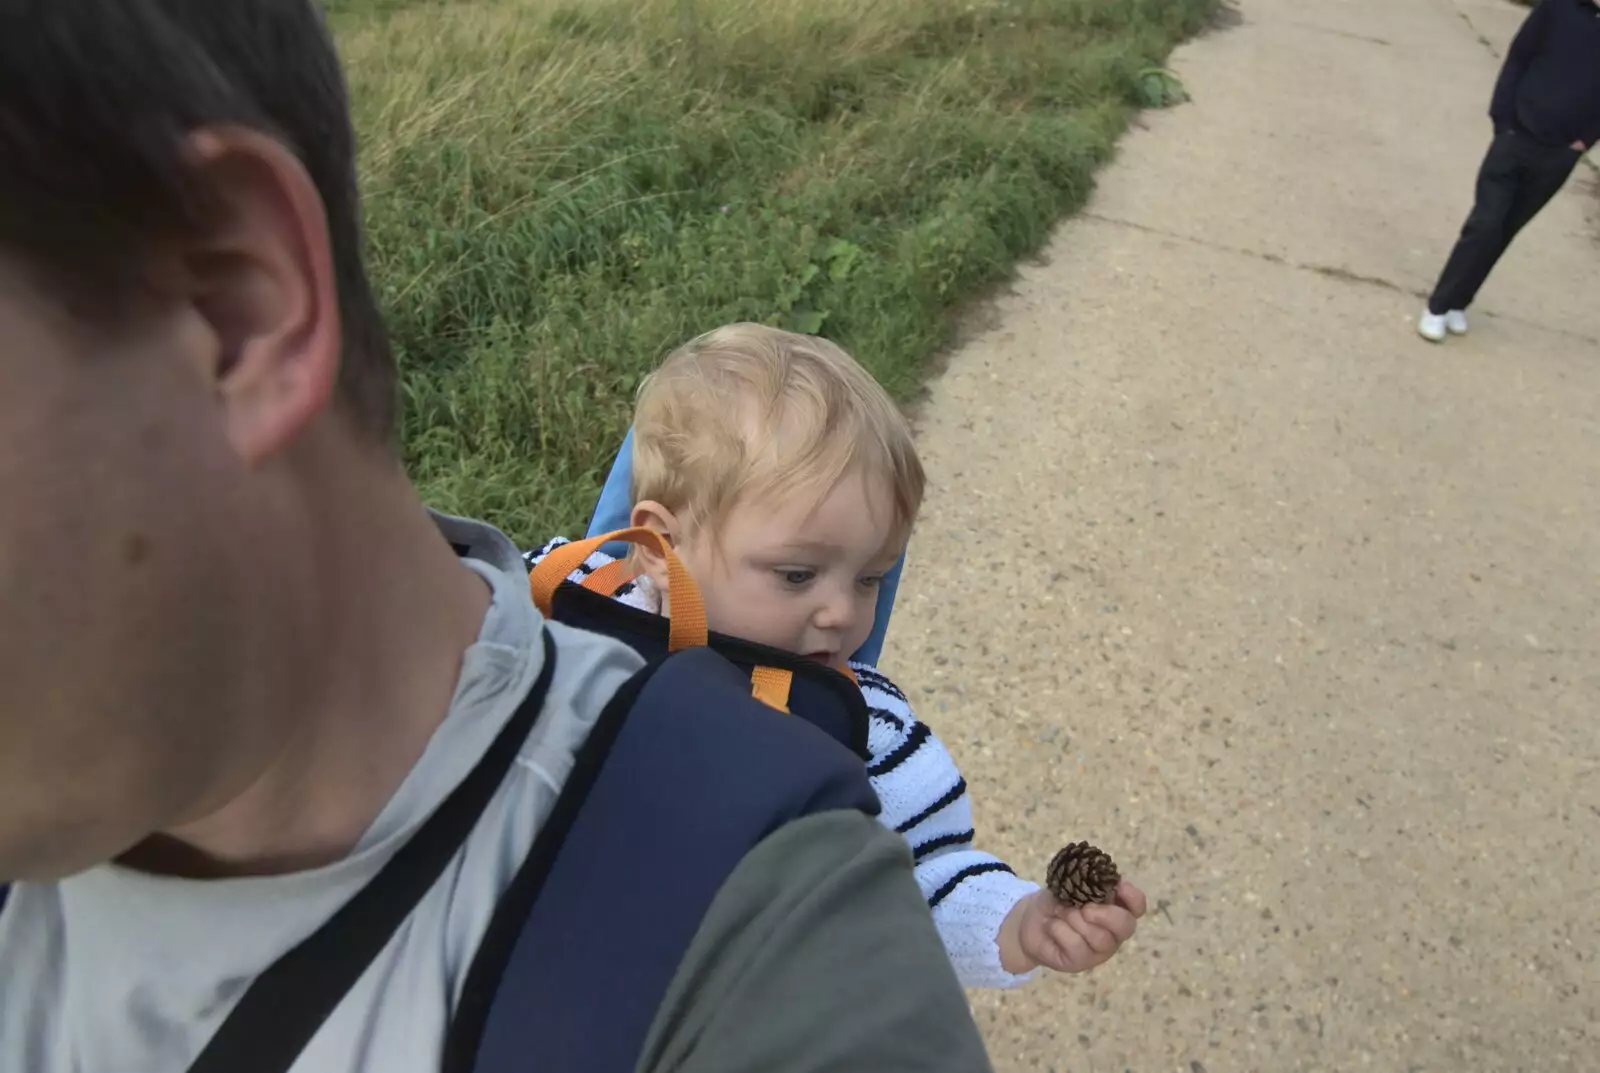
(924, 800)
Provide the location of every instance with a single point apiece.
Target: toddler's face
(801, 576)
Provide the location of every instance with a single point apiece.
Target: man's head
(186, 336)
(786, 478)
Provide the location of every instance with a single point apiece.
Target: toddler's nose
(836, 614)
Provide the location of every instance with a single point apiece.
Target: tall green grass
(558, 191)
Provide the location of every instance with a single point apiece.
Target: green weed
(558, 191)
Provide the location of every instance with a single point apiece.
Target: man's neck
(400, 612)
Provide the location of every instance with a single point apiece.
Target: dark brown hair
(97, 98)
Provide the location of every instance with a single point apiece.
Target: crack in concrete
(1367, 38)
(1331, 271)
(1334, 272)
(1483, 38)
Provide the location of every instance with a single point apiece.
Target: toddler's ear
(648, 514)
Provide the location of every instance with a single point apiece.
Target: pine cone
(1081, 874)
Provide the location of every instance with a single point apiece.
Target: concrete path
(1227, 571)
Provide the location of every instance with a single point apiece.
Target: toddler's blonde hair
(750, 410)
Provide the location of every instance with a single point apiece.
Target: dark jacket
(1549, 88)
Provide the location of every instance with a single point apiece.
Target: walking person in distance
(1546, 113)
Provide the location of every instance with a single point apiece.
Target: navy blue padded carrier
(677, 783)
(684, 774)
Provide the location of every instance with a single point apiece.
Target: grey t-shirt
(118, 970)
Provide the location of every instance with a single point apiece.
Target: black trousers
(1519, 176)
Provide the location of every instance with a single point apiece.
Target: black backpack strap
(286, 1005)
(683, 775)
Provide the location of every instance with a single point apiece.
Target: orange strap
(688, 618)
(770, 686)
(607, 579)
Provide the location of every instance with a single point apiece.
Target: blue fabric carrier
(684, 773)
(673, 789)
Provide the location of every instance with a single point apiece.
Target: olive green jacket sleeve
(817, 956)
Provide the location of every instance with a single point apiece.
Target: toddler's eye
(870, 582)
(797, 578)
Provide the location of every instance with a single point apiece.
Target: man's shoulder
(473, 539)
(819, 934)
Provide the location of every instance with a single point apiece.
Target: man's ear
(262, 280)
(648, 514)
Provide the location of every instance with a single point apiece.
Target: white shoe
(1455, 322)
(1432, 327)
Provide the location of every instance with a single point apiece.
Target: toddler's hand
(1041, 931)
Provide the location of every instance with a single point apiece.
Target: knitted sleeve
(637, 593)
(925, 801)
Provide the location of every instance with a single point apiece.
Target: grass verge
(558, 191)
